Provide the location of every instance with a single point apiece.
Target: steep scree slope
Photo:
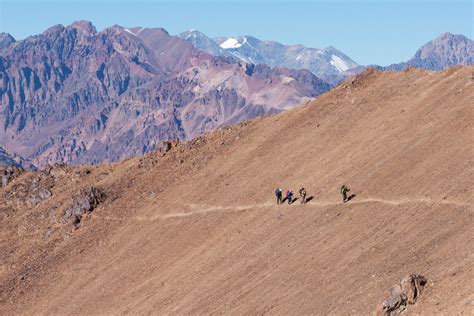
(195, 230)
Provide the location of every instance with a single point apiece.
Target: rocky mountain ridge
(76, 95)
(328, 63)
(447, 50)
(11, 159)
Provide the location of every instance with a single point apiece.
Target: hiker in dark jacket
(279, 195)
(289, 196)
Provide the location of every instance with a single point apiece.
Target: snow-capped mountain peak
(202, 42)
(328, 64)
(230, 43)
(337, 62)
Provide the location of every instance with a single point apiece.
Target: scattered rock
(412, 286)
(83, 172)
(56, 170)
(83, 202)
(38, 195)
(8, 174)
(166, 147)
(406, 292)
(44, 194)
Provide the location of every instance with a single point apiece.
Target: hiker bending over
(289, 196)
(279, 195)
(303, 195)
(344, 190)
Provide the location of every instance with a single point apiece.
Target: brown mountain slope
(196, 231)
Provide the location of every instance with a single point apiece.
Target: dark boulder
(9, 173)
(407, 291)
(82, 203)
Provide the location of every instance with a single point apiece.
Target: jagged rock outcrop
(10, 159)
(82, 203)
(31, 191)
(407, 291)
(5, 40)
(8, 174)
(76, 95)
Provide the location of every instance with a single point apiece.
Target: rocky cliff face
(445, 51)
(8, 159)
(76, 95)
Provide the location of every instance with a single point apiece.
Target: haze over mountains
(72, 94)
(75, 95)
(329, 64)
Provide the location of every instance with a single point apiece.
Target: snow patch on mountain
(286, 79)
(128, 31)
(230, 43)
(329, 64)
(337, 62)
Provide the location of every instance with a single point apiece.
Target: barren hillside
(196, 230)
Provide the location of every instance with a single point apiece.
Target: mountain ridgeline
(75, 95)
(329, 64)
(447, 50)
(10, 159)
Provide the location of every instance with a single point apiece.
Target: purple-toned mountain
(11, 159)
(76, 95)
(447, 50)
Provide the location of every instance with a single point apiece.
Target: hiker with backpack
(279, 195)
(303, 195)
(344, 190)
(289, 196)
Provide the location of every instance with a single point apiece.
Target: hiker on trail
(279, 195)
(289, 196)
(344, 190)
(303, 195)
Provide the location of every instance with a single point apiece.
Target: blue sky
(369, 31)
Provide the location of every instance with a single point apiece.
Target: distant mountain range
(329, 64)
(447, 50)
(75, 95)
